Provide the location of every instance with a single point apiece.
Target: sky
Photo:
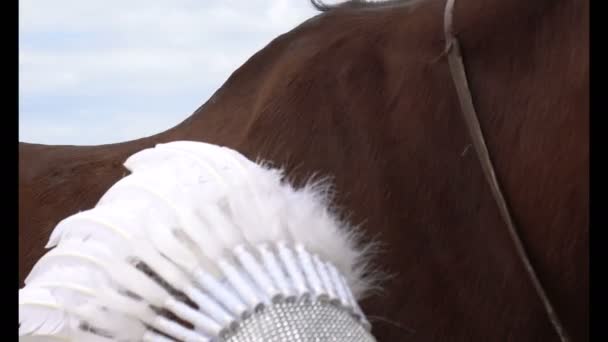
(103, 71)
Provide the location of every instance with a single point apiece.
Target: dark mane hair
(363, 4)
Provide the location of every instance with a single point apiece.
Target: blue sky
(103, 71)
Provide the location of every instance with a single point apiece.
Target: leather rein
(457, 70)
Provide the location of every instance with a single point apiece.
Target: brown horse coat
(363, 95)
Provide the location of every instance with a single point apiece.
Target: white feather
(43, 338)
(170, 206)
(123, 227)
(72, 302)
(39, 312)
(81, 289)
(242, 181)
(123, 326)
(266, 209)
(91, 279)
(184, 208)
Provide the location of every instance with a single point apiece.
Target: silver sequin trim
(301, 321)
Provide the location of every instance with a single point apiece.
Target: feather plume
(198, 232)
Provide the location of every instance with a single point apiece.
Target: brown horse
(363, 94)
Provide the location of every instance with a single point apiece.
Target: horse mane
(361, 4)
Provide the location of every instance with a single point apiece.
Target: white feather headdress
(196, 239)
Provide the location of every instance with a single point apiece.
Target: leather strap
(459, 77)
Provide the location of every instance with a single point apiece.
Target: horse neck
(528, 69)
(478, 21)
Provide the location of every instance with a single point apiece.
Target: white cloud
(125, 51)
